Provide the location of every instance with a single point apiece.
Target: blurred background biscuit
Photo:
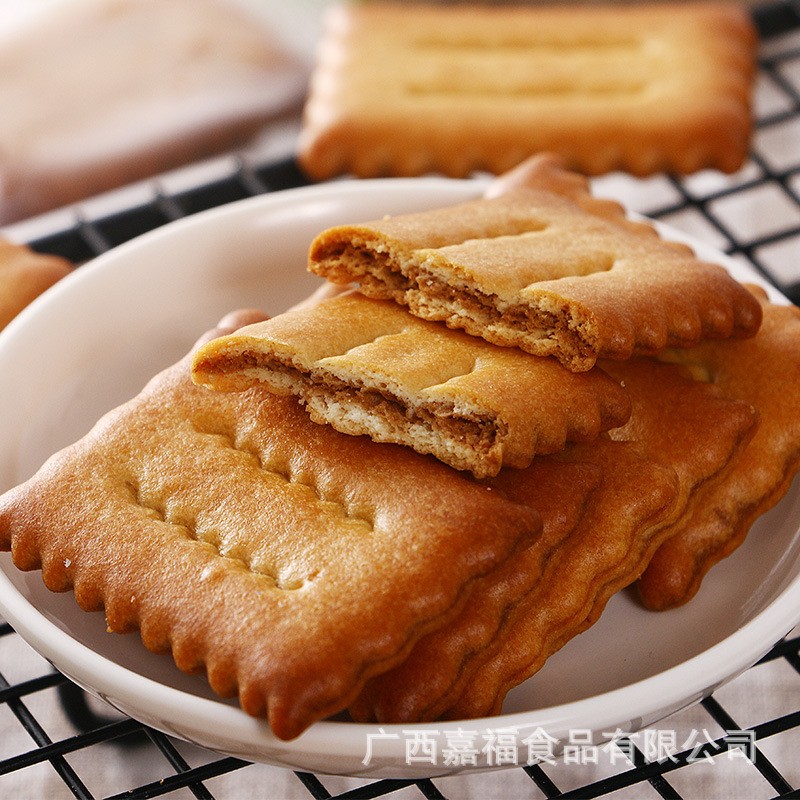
(458, 88)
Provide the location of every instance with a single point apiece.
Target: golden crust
(368, 367)
(24, 275)
(436, 670)
(686, 423)
(606, 551)
(599, 532)
(288, 561)
(542, 265)
(454, 89)
(764, 371)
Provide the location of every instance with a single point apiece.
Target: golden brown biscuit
(542, 265)
(680, 421)
(559, 586)
(764, 371)
(457, 88)
(24, 275)
(560, 487)
(368, 367)
(608, 549)
(289, 561)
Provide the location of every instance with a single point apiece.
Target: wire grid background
(753, 215)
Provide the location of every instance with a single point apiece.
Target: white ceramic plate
(93, 341)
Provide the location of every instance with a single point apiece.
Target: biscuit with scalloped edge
(369, 367)
(606, 506)
(561, 487)
(541, 264)
(287, 561)
(764, 371)
(690, 429)
(454, 88)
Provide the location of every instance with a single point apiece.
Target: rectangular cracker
(560, 487)
(681, 433)
(764, 371)
(623, 525)
(24, 275)
(542, 265)
(368, 367)
(288, 561)
(457, 88)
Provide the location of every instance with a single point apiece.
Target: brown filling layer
(391, 278)
(479, 433)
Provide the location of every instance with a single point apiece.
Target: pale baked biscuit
(764, 371)
(24, 275)
(456, 88)
(288, 561)
(543, 265)
(369, 367)
(627, 495)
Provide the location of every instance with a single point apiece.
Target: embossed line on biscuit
(283, 469)
(457, 365)
(526, 228)
(357, 251)
(398, 272)
(474, 48)
(560, 44)
(566, 88)
(376, 340)
(188, 525)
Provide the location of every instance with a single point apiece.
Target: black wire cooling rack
(753, 215)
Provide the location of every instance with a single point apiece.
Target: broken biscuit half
(542, 265)
(368, 367)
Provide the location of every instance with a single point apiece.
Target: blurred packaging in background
(99, 93)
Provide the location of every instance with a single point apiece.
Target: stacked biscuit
(528, 403)
(527, 337)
